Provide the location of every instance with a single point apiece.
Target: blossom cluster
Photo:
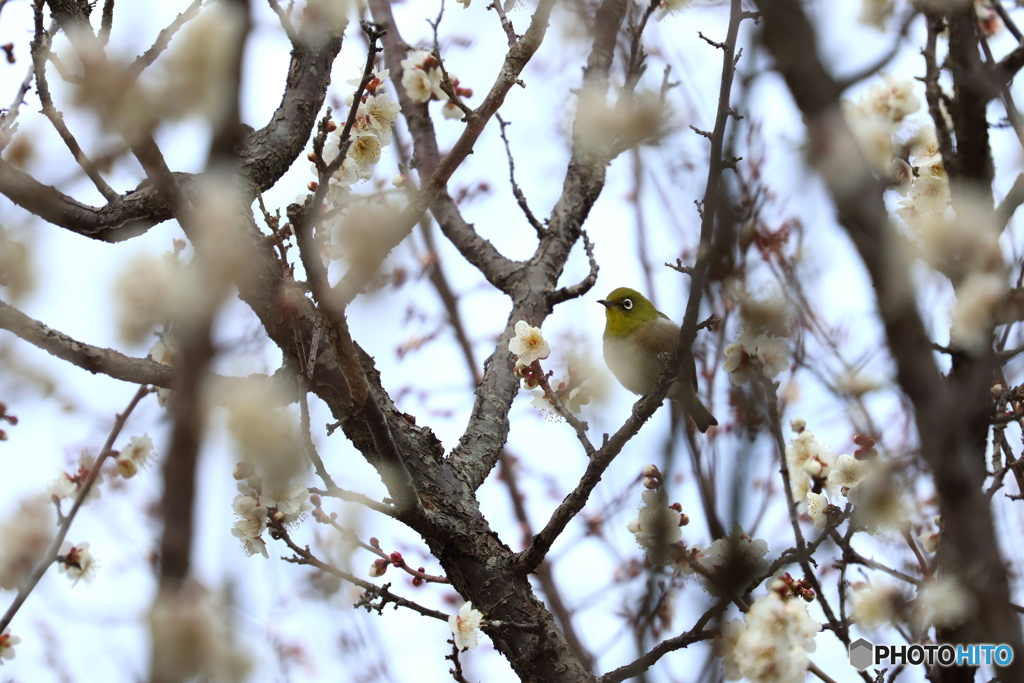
(371, 132)
(422, 79)
(7, 643)
(529, 346)
(771, 643)
(657, 527)
(255, 508)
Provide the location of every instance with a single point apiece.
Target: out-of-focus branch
(1011, 202)
(68, 519)
(264, 156)
(947, 417)
(106, 22)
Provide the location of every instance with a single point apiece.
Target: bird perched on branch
(635, 333)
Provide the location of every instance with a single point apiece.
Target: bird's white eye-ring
(627, 304)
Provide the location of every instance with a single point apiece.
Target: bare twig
(516, 191)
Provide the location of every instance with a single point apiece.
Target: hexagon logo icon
(862, 654)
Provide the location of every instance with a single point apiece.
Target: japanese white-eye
(635, 333)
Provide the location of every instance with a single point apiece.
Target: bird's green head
(626, 310)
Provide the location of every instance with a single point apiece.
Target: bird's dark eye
(627, 304)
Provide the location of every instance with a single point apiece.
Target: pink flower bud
(417, 581)
(677, 507)
(396, 559)
(683, 519)
(651, 483)
(312, 186)
(331, 126)
(651, 471)
(374, 542)
(314, 499)
(12, 419)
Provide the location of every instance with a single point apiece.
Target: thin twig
(65, 525)
(516, 190)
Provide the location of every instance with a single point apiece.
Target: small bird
(635, 332)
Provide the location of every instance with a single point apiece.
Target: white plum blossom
(133, 458)
(422, 77)
(25, 534)
(251, 523)
(657, 527)
(77, 562)
(292, 503)
(771, 644)
(365, 149)
(417, 84)
(67, 484)
(464, 626)
(7, 643)
(807, 460)
(847, 473)
(817, 505)
(529, 343)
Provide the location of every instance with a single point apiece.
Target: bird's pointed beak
(606, 304)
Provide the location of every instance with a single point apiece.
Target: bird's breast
(635, 368)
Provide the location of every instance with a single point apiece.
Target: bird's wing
(660, 336)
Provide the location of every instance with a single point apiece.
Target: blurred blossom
(151, 291)
(198, 66)
(731, 563)
(267, 437)
(942, 602)
(599, 125)
(165, 351)
(323, 19)
(875, 604)
(192, 639)
(657, 527)
(768, 313)
(974, 312)
(368, 231)
(24, 538)
(875, 12)
(15, 268)
(771, 644)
